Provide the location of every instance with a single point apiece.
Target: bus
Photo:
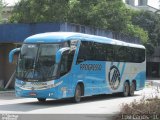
(61, 65)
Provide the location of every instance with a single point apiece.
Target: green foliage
(117, 15)
(112, 15)
(150, 22)
(79, 10)
(138, 32)
(31, 11)
(1, 7)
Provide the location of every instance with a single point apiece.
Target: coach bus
(72, 65)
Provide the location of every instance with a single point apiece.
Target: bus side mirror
(59, 54)
(12, 53)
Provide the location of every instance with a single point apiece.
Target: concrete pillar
(159, 69)
(6, 69)
(1, 83)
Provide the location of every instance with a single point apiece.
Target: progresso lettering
(91, 67)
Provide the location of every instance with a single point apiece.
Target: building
(153, 64)
(143, 4)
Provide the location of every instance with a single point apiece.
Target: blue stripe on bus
(124, 65)
(118, 64)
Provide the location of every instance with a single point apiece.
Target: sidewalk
(7, 93)
(153, 83)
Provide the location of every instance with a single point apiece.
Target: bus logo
(114, 77)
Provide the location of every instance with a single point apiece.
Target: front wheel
(126, 89)
(77, 95)
(41, 99)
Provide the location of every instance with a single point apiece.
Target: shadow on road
(35, 105)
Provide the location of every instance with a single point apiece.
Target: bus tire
(126, 89)
(41, 99)
(77, 95)
(132, 89)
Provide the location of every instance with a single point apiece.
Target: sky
(153, 3)
(10, 2)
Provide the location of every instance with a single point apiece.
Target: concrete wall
(16, 33)
(153, 64)
(156, 55)
(153, 70)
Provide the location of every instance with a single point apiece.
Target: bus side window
(66, 62)
(84, 52)
(142, 55)
(121, 53)
(117, 53)
(130, 54)
(109, 52)
(81, 55)
(99, 51)
(63, 64)
(70, 59)
(136, 55)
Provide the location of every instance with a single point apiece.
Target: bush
(138, 110)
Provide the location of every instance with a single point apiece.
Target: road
(102, 104)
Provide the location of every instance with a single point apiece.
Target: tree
(31, 11)
(150, 22)
(3, 4)
(112, 15)
(1, 7)
(136, 31)
(83, 12)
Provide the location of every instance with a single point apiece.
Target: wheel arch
(82, 86)
(127, 81)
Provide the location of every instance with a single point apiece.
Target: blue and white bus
(71, 65)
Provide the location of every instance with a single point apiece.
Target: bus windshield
(37, 62)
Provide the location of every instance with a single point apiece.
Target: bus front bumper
(48, 93)
(38, 89)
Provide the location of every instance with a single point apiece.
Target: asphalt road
(90, 106)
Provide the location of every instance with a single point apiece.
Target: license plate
(32, 94)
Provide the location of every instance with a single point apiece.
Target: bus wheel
(132, 89)
(126, 89)
(77, 95)
(41, 99)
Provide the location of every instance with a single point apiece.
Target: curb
(7, 93)
(152, 84)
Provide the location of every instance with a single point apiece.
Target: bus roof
(57, 37)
